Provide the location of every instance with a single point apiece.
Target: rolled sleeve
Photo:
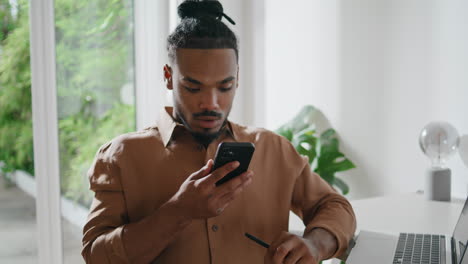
(320, 206)
(102, 234)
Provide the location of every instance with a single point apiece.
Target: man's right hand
(198, 196)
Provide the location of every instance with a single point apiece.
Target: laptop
(410, 248)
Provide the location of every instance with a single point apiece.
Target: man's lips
(208, 118)
(208, 122)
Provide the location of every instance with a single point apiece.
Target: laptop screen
(460, 235)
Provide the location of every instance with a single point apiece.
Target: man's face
(204, 82)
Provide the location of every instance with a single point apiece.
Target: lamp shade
(439, 141)
(463, 149)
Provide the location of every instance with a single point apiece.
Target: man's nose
(209, 101)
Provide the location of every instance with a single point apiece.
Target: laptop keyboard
(419, 248)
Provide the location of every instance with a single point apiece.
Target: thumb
(205, 170)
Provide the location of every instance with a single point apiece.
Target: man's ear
(167, 75)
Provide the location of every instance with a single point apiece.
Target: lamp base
(438, 184)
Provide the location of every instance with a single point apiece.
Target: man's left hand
(291, 249)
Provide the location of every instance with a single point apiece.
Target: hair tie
(228, 18)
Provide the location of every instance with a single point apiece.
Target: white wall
(380, 70)
(301, 60)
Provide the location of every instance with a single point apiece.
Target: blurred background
(378, 70)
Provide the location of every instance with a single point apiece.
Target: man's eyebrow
(228, 79)
(188, 79)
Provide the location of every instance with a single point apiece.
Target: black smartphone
(233, 151)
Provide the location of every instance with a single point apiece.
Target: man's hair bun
(201, 28)
(197, 9)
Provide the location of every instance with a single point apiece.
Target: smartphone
(233, 151)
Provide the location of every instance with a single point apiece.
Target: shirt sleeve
(320, 206)
(102, 234)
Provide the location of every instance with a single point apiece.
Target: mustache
(207, 113)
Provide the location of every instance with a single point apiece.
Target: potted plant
(311, 135)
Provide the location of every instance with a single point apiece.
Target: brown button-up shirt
(134, 174)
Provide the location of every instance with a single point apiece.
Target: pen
(258, 241)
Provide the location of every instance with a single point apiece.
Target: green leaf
(328, 177)
(301, 120)
(332, 162)
(329, 141)
(305, 137)
(306, 144)
(325, 149)
(341, 185)
(310, 154)
(285, 132)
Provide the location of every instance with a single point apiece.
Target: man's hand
(317, 245)
(292, 249)
(198, 197)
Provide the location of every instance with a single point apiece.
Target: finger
(276, 242)
(205, 170)
(230, 196)
(219, 173)
(280, 238)
(232, 185)
(285, 250)
(221, 209)
(297, 252)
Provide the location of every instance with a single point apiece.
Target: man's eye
(225, 89)
(192, 90)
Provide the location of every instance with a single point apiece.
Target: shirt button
(214, 228)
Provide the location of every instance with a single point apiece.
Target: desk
(410, 213)
(393, 214)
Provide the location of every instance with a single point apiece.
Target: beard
(206, 138)
(203, 138)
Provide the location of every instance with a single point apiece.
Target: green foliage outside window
(16, 146)
(94, 56)
(8, 20)
(94, 53)
(81, 135)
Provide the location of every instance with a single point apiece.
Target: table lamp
(463, 149)
(438, 141)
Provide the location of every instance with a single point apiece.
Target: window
(95, 97)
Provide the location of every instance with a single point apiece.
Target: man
(155, 195)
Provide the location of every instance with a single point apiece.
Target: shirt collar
(167, 124)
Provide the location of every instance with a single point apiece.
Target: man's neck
(206, 140)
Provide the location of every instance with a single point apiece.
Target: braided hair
(201, 28)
